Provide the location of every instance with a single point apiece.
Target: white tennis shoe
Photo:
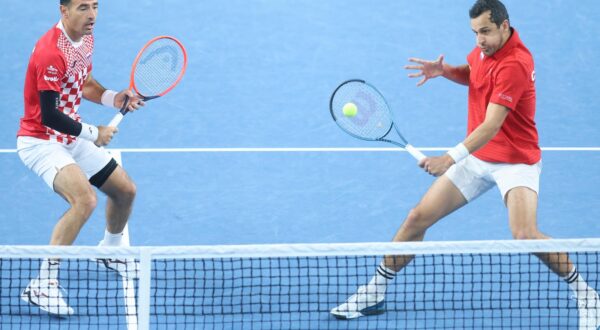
(589, 310)
(366, 301)
(47, 295)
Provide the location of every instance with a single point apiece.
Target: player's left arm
(494, 118)
(93, 91)
(512, 78)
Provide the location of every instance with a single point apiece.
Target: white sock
(49, 269)
(112, 239)
(383, 276)
(577, 283)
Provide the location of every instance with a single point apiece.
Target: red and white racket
(156, 70)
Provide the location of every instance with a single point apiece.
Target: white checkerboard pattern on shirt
(79, 61)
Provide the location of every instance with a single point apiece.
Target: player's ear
(64, 11)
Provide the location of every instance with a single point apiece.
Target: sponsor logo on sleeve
(533, 75)
(53, 79)
(52, 70)
(505, 97)
(51, 74)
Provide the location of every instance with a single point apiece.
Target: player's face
(489, 37)
(80, 16)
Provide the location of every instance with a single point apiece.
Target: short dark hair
(65, 2)
(497, 9)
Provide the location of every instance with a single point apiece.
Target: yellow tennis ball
(349, 109)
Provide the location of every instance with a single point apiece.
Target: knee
(85, 203)
(128, 192)
(414, 222)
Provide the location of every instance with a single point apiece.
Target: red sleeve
(511, 81)
(50, 69)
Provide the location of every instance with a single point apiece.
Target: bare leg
(44, 291)
(441, 199)
(72, 184)
(522, 214)
(120, 191)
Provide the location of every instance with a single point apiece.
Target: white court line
(128, 285)
(265, 150)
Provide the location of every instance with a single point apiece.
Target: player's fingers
(416, 60)
(415, 75)
(413, 67)
(129, 93)
(138, 104)
(420, 83)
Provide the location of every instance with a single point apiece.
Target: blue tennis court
(244, 150)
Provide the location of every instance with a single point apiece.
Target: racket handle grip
(116, 120)
(419, 156)
(119, 116)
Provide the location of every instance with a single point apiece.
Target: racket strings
(159, 67)
(373, 119)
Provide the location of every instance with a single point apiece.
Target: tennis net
(449, 285)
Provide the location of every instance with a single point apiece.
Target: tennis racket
(373, 119)
(156, 70)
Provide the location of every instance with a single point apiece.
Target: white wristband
(458, 153)
(108, 98)
(89, 132)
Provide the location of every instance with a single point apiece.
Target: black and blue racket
(360, 110)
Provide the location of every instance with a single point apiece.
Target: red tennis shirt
(506, 78)
(56, 64)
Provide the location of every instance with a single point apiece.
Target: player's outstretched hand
(105, 135)
(428, 69)
(133, 100)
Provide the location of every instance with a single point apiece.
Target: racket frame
(124, 109)
(418, 155)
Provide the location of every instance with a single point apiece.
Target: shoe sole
(26, 297)
(376, 309)
(370, 313)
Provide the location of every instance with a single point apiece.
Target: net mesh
(159, 67)
(448, 285)
(372, 120)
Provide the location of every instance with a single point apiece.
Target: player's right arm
(58, 121)
(431, 69)
(50, 68)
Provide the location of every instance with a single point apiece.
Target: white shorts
(473, 176)
(45, 158)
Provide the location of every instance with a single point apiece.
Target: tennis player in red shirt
(501, 149)
(66, 152)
